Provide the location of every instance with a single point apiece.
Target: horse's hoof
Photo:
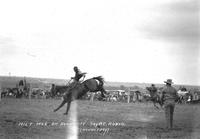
(54, 110)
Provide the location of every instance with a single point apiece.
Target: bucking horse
(94, 84)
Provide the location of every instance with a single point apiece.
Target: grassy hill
(12, 81)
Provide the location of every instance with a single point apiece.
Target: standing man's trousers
(169, 111)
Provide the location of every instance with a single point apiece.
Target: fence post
(0, 92)
(128, 93)
(29, 92)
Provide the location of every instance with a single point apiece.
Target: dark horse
(155, 97)
(94, 84)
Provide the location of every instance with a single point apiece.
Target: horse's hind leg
(62, 104)
(68, 106)
(103, 92)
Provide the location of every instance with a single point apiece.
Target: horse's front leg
(62, 104)
(103, 92)
(155, 105)
(161, 104)
(68, 107)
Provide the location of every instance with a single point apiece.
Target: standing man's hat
(169, 81)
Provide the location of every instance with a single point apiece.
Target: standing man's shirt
(169, 93)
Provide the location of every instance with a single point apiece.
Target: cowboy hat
(169, 81)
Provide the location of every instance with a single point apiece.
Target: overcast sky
(122, 40)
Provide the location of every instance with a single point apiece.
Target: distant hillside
(144, 85)
(12, 81)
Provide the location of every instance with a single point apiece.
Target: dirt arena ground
(34, 119)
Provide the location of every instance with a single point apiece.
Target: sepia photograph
(100, 69)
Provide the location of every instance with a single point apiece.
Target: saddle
(73, 85)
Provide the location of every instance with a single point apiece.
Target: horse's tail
(100, 79)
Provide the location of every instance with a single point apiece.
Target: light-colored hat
(169, 81)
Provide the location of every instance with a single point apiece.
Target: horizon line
(105, 81)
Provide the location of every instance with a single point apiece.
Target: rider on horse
(153, 90)
(78, 74)
(77, 77)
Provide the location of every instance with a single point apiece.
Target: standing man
(53, 90)
(21, 87)
(169, 97)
